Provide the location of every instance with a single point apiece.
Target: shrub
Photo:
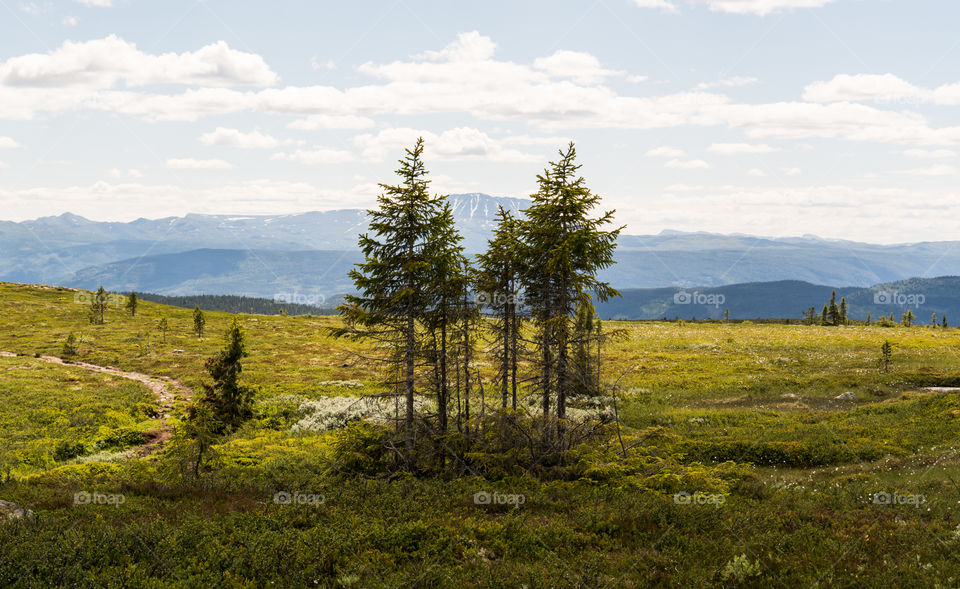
(740, 569)
(118, 439)
(66, 450)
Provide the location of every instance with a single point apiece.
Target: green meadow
(732, 457)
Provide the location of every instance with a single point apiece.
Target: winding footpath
(166, 390)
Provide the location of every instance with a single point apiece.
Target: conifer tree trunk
(442, 397)
(514, 342)
(410, 362)
(507, 339)
(466, 374)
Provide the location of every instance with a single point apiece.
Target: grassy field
(743, 469)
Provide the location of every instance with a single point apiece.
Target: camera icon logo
(682, 298)
(81, 298)
(81, 498)
(882, 498)
(682, 498)
(882, 298)
(482, 498)
(282, 498)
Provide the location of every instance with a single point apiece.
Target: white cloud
(740, 148)
(462, 143)
(792, 171)
(558, 142)
(315, 122)
(102, 63)
(756, 172)
(236, 138)
(128, 173)
(938, 170)
(97, 3)
(316, 65)
(318, 155)
(687, 164)
(250, 197)
(734, 82)
(194, 164)
(934, 154)
(824, 209)
(666, 151)
(664, 5)
(469, 47)
(69, 21)
(856, 88)
(8, 143)
(463, 78)
(883, 89)
(582, 67)
(760, 7)
(800, 120)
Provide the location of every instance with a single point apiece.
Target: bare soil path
(166, 389)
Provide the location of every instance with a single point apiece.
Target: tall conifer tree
(564, 247)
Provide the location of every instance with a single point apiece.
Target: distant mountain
(309, 277)
(789, 299)
(56, 249)
(223, 254)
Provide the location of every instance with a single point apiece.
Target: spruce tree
(843, 311)
(498, 283)
(944, 324)
(886, 354)
(132, 303)
(585, 335)
(223, 404)
(98, 305)
(392, 283)
(230, 403)
(907, 318)
(564, 248)
(162, 326)
(199, 321)
(833, 311)
(449, 281)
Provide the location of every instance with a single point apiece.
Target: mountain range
(789, 299)
(307, 255)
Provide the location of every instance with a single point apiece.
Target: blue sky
(772, 117)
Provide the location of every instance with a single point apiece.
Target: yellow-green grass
(696, 392)
(718, 390)
(51, 414)
(679, 365)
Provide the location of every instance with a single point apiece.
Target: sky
(835, 118)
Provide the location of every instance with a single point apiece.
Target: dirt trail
(164, 388)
